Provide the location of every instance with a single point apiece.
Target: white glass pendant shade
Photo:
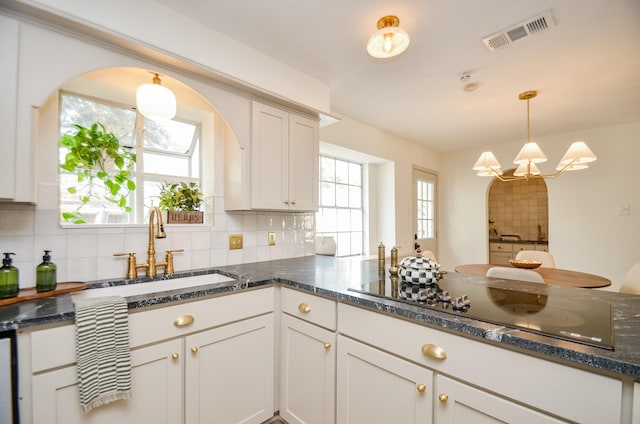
(155, 101)
(389, 40)
(524, 170)
(530, 152)
(577, 154)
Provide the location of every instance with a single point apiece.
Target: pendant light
(389, 40)
(155, 101)
(577, 157)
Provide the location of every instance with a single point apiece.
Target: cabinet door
(229, 375)
(376, 387)
(500, 258)
(9, 36)
(459, 403)
(307, 372)
(269, 157)
(303, 163)
(156, 381)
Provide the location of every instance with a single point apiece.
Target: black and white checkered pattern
(419, 271)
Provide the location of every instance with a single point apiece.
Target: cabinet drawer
(500, 247)
(309, 307)
(586, 397)
(151, 326)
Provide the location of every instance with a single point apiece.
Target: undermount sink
(129, 290)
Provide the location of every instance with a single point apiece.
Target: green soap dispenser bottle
(9, 286)
(46, 274)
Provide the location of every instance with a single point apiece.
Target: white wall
(585, 231)
(360, 137)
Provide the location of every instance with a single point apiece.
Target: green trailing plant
(180, 196)
(103, 169)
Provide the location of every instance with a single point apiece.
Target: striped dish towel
(102, 351)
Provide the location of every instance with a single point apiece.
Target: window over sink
(165, 151)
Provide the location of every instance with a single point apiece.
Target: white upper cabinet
(9, 40)
(284, 160)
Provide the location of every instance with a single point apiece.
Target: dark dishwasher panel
(8, 378)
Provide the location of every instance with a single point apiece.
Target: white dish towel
(102, 351)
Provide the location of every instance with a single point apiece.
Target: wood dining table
(556, 276)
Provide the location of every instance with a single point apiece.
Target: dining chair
(631, 280)
(515, 274)
(537, 255)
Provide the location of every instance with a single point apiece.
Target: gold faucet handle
(169, 261)
(131, 264)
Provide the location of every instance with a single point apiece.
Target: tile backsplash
(86, 253)
(518, 207)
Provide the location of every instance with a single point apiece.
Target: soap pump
(9, 285)
(46, 274)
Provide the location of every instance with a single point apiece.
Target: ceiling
(586, 68)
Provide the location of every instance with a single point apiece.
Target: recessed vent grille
(519, 31)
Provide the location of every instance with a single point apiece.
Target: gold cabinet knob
(304, 308)
(443, 397)
(175, 356)
(194, 349)
(433, 351)
(327, 346)
(500, 247)
(184, 320)
(421, 388)
(286, 202)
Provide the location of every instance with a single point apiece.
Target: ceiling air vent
(524, 29)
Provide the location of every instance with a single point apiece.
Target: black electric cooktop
(533, 307)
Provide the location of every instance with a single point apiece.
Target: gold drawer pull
(194, 350)
(443, 397)
(434, 351)
(421, 388)
(175, 356)
(500, 247)
(327, 346)
(304, 308)
(184, 320)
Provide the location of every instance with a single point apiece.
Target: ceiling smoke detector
(503, 39)
(467, 85)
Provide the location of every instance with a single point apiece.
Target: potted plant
(103, 169)
(182, 202)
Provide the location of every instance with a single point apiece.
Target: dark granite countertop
(514, 241)
(333, 277)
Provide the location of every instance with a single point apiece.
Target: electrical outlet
(235, 241)
(271, 239)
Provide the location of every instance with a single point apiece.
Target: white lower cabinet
(219, 367)
(156, 392)
(459, 403)
(307, 358)
(376, 387)
(478, 380)
(308, 375)
(230, 373)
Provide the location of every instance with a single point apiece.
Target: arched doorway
(518, 212)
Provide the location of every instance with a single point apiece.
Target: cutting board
(31, 293)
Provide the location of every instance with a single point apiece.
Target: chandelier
(577, 157)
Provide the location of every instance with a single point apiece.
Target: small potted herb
(182, 202)
(103, 169)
